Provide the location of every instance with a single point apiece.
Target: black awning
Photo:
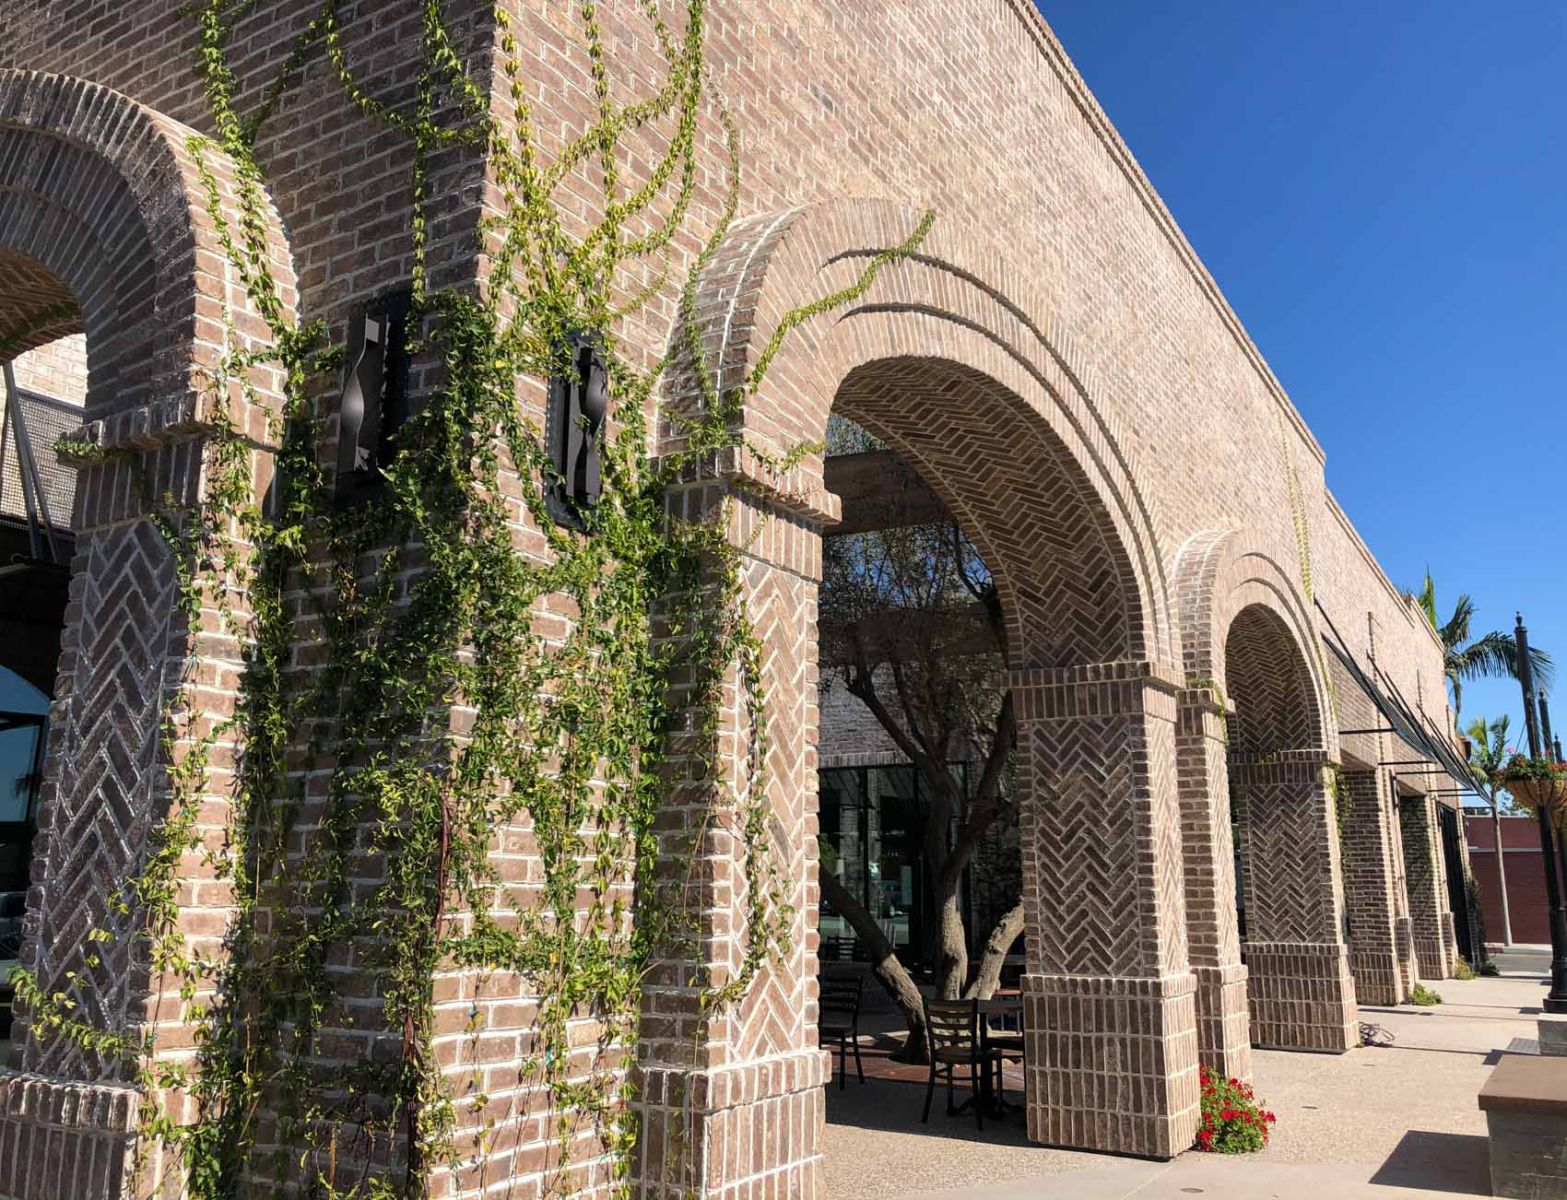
(1410, 724)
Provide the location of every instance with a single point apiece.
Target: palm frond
(1426, 598)
(1499, 732)
(1456, 631)
(1543, 667)
(1492, 655)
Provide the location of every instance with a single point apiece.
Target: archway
(1291, 905)
(105, 223)
(944, 364)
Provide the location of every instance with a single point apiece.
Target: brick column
(731, 1100)
(1213, 938)
(1301, 991)
(1110, 1017)
(1426, 883)
(1371, 847)
(129, 661)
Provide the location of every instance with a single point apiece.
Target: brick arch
(107, 214)
(945, 358)
(1249, 650)
(1000, 391)
(1017, 495)
(1221, 575)
(104, 205)
(1269, 685)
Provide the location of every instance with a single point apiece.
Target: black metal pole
(1550, 746)
(1556, 999)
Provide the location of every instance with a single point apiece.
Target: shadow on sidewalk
(1439, 1162)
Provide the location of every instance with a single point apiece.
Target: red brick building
(1525, 877)
(190, 189)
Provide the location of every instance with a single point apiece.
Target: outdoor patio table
(1010, 1010)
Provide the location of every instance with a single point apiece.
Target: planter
(1535, 794)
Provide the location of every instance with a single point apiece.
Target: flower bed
(1232, 1120)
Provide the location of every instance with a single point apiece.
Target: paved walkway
(1393, 1123)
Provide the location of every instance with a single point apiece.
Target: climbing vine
(422, 699)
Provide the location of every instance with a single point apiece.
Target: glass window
(873, 824)
(21, 740)
(895, 827)
(842, 850)
(22, 727)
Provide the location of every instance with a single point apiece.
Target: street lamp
(1556, 999)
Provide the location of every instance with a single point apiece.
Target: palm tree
(1487, 753)
(1466, 657)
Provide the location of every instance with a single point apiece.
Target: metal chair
(835, 949)
(839, 1023)
(952, 1039)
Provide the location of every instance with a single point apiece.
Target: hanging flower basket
(1536, 784)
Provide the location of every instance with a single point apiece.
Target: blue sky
(1380, 189)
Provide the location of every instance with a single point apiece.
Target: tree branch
(885, 965)
(862, 686)
(988, 977)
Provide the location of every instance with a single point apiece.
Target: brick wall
(57, 369)
(1526, 898)
(1059, 367)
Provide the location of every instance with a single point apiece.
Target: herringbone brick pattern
(1082, 848)
(1054, 361)
(1301, 992)
(1302, 995)
(125, 662)
(1371, 887)
(1269, 682)
(1107, 981)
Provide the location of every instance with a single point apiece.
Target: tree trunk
(885, 966)
(951, 948)
(988, 977)
(1501, 873)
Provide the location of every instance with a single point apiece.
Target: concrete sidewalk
(1253, 1178)
(1400, 1121)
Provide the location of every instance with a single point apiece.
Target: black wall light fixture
(579, 400)
(375, 393)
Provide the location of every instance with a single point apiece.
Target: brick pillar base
(1112, 1063)
(1224, 1020)
(1302, 996)
(754, 1129)
(1431, 954)
(61, 1139)
(1378, 977)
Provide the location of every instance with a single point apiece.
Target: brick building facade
(1526, 903)
(1053, 360)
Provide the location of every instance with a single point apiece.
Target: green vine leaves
(463, 705)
